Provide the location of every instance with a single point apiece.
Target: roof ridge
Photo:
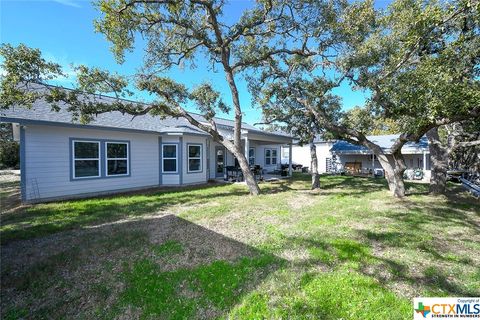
(134, 101)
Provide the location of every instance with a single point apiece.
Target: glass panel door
(219, 161)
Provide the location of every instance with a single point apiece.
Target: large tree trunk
(314, 166)
(394, 167)
(439, 163)
(236, 150)
(247, 173)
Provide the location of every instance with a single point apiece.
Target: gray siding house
(62, 159)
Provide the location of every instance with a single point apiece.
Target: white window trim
(194, 158)
(271, 157)
(107, 158)
(86, 159)
(170, 158)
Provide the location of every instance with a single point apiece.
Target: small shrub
(9, 154)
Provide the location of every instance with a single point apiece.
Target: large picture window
(86, 159)
(270, 157)
(194, 158)
(117, 158)
(169, 156)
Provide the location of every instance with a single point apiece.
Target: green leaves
(22, 66)
(208, 100)
(119, 23)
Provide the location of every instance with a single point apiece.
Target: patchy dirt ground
(214, 251)
(10, 192)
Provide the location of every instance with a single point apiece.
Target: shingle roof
(41, 111)
(384, 141)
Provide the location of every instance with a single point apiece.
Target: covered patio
(264, 152)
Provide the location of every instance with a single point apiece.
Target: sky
(63, 30)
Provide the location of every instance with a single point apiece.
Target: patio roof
(384, 141)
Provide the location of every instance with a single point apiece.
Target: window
(169, 156)
(117, 158)
(270, 157)
(194, 158)
(86, 159)
(251, 156)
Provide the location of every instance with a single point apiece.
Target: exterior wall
(47, 154)
(260, 154)
(47, 166)
(301, 155)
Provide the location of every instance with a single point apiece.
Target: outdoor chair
(257, 172)
(233, 173)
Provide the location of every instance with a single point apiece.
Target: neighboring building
(62, 159)
(355, 159)
(301, 155)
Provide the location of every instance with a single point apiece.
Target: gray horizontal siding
(47, 153)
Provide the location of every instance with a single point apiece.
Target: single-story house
(341, 155)
(62, 159)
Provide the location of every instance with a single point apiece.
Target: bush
(9, 155)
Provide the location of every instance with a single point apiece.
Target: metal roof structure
(384, 141)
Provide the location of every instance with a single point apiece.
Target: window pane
(194, 151)
(170, 151)
(86, 150)
(194, 164)
(117, 167)
(251, 153)
(116, 150)
(86, 168)
(274, 160)
(267, 160)
(169, 165)
(274, 152)
(267, 153)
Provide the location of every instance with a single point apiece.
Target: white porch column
(373, 164)
(247, 148)
(424, 160)
(289, 159)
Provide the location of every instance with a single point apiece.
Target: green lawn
(349, 251)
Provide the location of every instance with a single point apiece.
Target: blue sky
(63, 31)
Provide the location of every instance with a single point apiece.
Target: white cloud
(70, 76)
(70, 3)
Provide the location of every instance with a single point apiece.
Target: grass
(349, 251)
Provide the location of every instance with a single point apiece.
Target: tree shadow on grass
(166, 267)
(335, 253)
(417, 213)
(353, 186)
(44, 219)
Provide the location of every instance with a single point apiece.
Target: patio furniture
(257, 172)
(233, 173)
(378, 172)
